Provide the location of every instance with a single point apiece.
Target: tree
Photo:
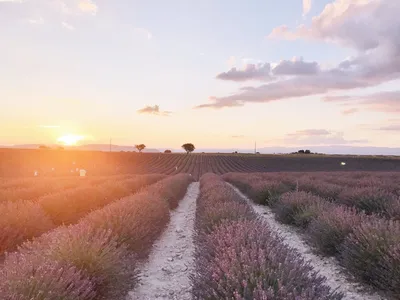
(140, 147)
(307, 152)
(188, 147)
(167, 151)
(301, 151)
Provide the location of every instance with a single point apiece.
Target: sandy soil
(166, 273)
(327, 267)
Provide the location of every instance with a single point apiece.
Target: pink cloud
(370, 27)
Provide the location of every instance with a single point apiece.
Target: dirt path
(327, 267)
(166, 274)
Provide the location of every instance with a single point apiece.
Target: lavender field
(243, 236)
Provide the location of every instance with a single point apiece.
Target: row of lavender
(366, 242)
(35, 187)
(377, 193)
(95, 258)
(238, 257)
(23, 220)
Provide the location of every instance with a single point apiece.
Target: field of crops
(23, 163)
(283, 235)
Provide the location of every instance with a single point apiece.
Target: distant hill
(114, 148)
(88, 147)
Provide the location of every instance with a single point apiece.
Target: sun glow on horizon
(70, 139)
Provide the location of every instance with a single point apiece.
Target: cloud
(263, 71)
(309, 132)
(144, 32)
(312, 137)
(387, 101)
(153, 110)
(296, 66)
(395, 127)
(306, 7)
(67, 26)
(369, 27)
(350, 111)
(296, 87)
(219, 103)
(250, 72)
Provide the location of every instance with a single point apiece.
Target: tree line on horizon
(188, 147)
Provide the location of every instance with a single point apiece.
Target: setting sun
(70, 140)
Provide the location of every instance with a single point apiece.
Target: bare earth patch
(166, 273)
(328, 267)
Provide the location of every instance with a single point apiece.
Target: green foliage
(188, 147)
(140, 147)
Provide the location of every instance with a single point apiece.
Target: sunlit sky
(216, 73)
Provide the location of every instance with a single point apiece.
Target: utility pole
(110, 144)
(255, 147)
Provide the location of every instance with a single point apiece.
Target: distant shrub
(167, 151)
(368, 199)
(372, 253)
(35, 277)
(331, 226)
(297, 208)
(20, 221)
(244, 260)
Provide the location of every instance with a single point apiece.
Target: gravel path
(327, 267)
(166, 273)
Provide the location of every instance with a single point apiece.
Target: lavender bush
(243, 260)
(298, 208)
(35, 277)
(260, 190)
(331, 226)
(139, 219)
(237, 257)
(368, 199)
(95, 258)
(372, 253)
(20, 221)
(67, 207)
(226, 203)
(173, 189)
(97, 254)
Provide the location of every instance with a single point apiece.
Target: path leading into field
(327, 267)
(166, 274)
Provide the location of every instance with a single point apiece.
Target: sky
(219, 74)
